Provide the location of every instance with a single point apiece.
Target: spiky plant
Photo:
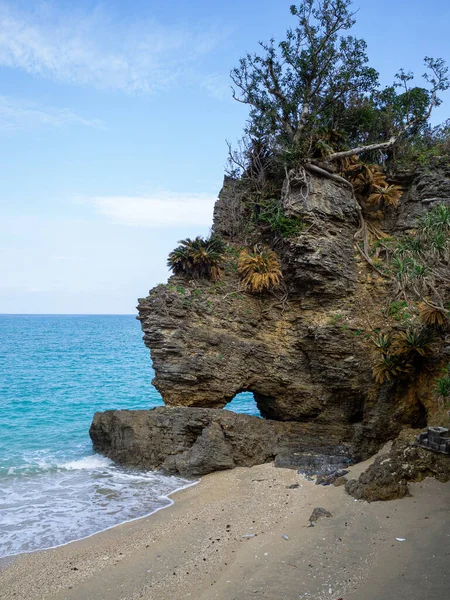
(259, 270)
(437, 220)
(442, 388)
(198, 258)
(382, 342)
(378, 177)
(433, 316)
(416, 341)
(388, 194)
(388, 367)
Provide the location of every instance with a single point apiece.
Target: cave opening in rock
(244, 403)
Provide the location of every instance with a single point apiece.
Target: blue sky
(113, 120)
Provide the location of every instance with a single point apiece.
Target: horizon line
(67, 314)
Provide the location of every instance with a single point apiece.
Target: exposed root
(363, 233)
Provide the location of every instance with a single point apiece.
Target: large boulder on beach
(387, 478)
(196, 441)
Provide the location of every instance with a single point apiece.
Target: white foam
(95, 461)
(79, 498)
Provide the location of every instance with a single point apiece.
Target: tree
(317, 77)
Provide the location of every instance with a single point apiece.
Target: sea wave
(95, 461)
(76, 499)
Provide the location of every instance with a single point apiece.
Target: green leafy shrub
(442, 387)
(271, 214)
(198, 258)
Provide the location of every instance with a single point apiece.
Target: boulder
(387, 478)
(194, 441)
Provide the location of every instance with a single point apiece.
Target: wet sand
(225, 538)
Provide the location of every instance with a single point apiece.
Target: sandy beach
(245, 534)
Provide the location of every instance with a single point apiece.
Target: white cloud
(16, 114)
(94, 50)
(166, 209)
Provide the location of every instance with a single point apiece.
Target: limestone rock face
(423, 189)
(305, 356)
(194, 441)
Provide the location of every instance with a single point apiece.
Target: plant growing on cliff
(389, 366)
(442, 388)
(318, 78)
(198, 258)
(433, 316)
(259, 270)
(415, 341)
(271, 214)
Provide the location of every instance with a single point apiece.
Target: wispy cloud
(94, 50)
(17, 115)
(217, 86)
(166, 209)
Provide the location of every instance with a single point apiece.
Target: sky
(114, 118)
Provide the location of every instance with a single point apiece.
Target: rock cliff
(305, 353)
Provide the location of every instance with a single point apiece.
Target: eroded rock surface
(306, 357)
(195, 441)
(387, 478)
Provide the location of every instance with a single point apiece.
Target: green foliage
(382, 341)
(419, 261)
(291, 84)
(442, 387)
(399, 310)
(416, 341)
(271, 214)
(314, 93)
(335, 319)
(198, 258)
(399, 354)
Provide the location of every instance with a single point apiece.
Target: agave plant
(433, 316)
(416, 341)
(198, 258)
(388, 367)
(388, 194)
(259, 270)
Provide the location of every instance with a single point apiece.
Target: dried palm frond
(433, 316)
(378, 177)
(389, 194)
(389, 367)
(259, 270)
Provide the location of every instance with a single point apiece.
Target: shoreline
(223, 538)
(11, 557)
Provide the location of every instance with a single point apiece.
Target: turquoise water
(55, 372)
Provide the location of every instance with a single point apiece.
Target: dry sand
(197, 549)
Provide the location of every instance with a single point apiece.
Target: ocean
(56, 371)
